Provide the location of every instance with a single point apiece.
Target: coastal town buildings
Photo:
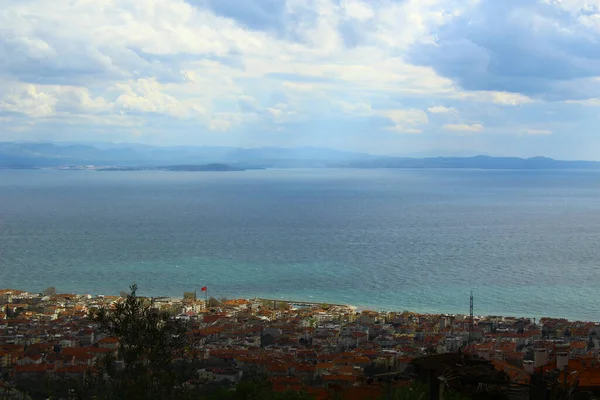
(316, 347)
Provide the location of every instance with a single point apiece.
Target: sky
(403, 77)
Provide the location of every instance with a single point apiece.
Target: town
(318, 348)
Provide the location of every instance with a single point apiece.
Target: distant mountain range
(24, 155)
(477, 162)
(132, 156)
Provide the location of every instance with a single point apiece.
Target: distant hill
(139, 156)
(477, 162)
(23, 155)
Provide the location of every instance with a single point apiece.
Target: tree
(212, 302)
(149, 343)
(258, 389)
(189, 296)
(51, 291)
(417, 391)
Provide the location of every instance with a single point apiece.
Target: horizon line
(474, 154)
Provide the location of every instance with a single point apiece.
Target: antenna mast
(471, 322)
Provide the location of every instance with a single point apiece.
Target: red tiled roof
(325, 365)
(29, 368)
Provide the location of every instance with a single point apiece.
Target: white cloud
(79, 100)
(120, 45)
(126, 62)
(357, 109)
(29, 100)
(281, 112)
(409, 116)
(464, 127)
(147, 95)
(511, 99)
(502, 98)
(593, 102)
(441, 110)
(575, 6)
(357, 9)
(403, 130)
(405, 120)
(401, 24)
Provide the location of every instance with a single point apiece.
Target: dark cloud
(68, 63)
(247, 104)
(270, 16)
(515, 46)
(34, 60)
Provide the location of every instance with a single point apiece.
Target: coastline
(356, 308)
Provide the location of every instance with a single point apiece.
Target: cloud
(441, 110)
(357, 109)
(192, 69)
(593, 102)
(405, 120)
(248, 104)
(356, 9)
(408, 116)
(147, 95)
(78, 100)
(464, 127)
(539, 49)
(281, 112)
(403, 130)
(27, 99)
(503, 98)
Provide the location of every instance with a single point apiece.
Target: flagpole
(206, 286)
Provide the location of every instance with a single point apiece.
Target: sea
(524, 242)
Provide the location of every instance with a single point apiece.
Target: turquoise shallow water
(526, 242)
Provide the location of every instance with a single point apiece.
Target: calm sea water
(526, 242)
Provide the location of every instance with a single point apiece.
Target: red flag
(203, 289)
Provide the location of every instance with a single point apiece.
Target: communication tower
(471, 323)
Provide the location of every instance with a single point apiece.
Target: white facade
(562, 360)
(528, 366)
(540, 357)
